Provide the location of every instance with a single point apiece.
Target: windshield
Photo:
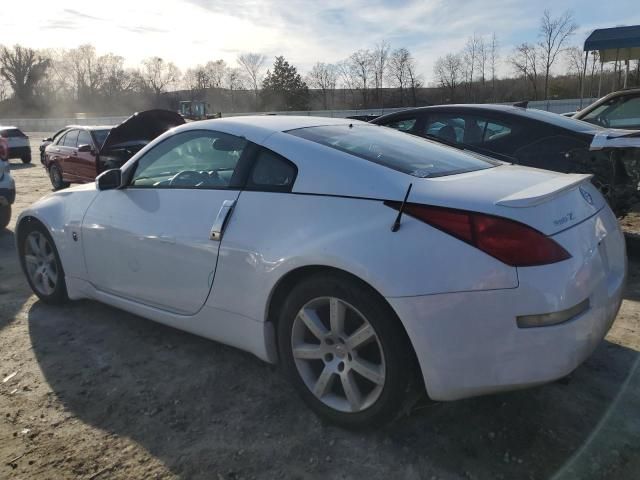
(399, 151)
(100, 136)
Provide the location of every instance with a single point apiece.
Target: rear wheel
(344, 350)
(5, 216)
(41, 263)
(26, 159)
(55, 175)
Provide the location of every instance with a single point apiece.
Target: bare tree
(575, 62)
(525, 62)
(415, 79)
(115, 78)
(215, 72)
(5, 89)
(253, 64)
(553, 34)
(379, 60)
(157, 75)
(494, 55)
(398, 70)
(483, 58)
(469, 62)
(448, 71)
(23, 68)
(324, 77)
(234, 80)
(361, 68)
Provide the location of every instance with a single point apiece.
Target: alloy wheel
(338, 354)
(40, 263)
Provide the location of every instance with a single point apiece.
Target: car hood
(142, 127)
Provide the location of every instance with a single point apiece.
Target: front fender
(62, 213)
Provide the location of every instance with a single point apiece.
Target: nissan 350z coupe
(363, 260)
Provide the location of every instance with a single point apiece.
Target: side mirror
(48, 139)
(109, 180)
(85, 148)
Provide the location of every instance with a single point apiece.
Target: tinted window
(271, 172)
(70, 138)
(619, 112)
(13, 133)
(465, 129)
(84, 138)
(100, 136)
(404, 125)
(385, 146)
(194, 159)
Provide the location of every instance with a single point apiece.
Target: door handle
(221, 220)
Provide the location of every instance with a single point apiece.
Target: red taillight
(509, 241)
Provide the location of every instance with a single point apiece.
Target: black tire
(396, 351)
(5, 216)
(55, 175)
(59, 293)
(26, 159)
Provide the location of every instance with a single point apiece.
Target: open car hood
(615, 138)
(142, 127)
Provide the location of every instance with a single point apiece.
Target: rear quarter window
(13, 133)
(396, 150)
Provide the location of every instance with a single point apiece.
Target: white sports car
(358, 257)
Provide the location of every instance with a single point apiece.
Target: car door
(85, 160)
(156, 240)
(68, 147)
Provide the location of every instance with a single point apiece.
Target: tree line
(470, 75)
(65, 81)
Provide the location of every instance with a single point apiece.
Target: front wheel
(55, 175)
(345, 350)
(41, 264)
(5, 216)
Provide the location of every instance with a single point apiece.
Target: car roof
(8, 127)
(554, 119)
(257, 128)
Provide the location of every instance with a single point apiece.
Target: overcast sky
(188, 32)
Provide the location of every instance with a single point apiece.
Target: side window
(625, 113)
(193, 159)
(60, 139)
(70, 138)
(450, 128)
(494, 131)
(84, 138)
(271, 172)
(404, 125)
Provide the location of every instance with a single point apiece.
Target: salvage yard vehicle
(18, 143)
(52, 139)
(619, 109)
(80, 153)
(7, 193)
(364, 261)
(536, 139)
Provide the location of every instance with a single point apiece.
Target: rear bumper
(469, 344)
(20, 152)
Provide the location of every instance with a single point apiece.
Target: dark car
(52, 139)
(619, 109)
(80, 153)
(533, 138)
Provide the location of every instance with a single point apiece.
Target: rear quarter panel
(271, 234)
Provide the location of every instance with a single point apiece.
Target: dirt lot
(87, 391)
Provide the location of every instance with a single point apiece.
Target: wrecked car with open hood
(83, 152)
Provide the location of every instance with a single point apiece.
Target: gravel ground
(88, 391)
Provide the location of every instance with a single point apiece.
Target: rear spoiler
(543, 192)
(615, 139)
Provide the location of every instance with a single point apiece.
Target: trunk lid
(547, 201)
(142, 127)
